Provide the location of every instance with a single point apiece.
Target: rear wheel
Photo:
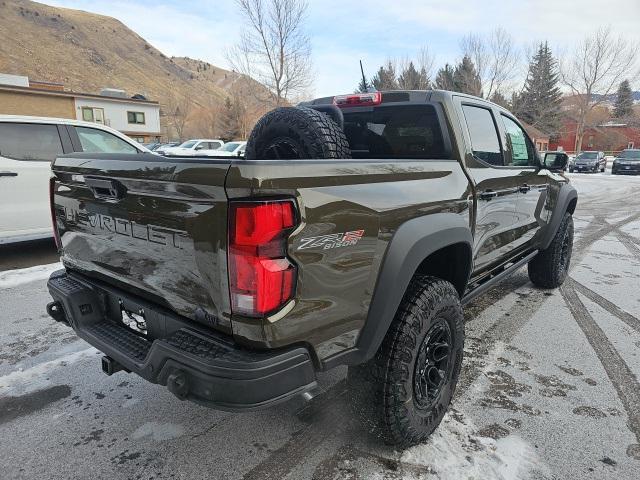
(405, 390)
(549, 268)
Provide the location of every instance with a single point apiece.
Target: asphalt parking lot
(549, 389)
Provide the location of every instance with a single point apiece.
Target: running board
(491, 282)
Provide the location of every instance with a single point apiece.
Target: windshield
(630, 154)
(587, 156)
(230, 147)
(188, 144)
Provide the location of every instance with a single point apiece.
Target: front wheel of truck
(550, 267)
(404, 391)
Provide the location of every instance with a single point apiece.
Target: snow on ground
(455, 451)
(13, 278)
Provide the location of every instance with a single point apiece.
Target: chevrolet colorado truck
(352, 234)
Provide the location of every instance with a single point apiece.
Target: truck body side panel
(362, 201)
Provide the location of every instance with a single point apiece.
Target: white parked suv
(231, 149)
(28, 145)
(191, 148)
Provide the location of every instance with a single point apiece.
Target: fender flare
(412, 243)
(566, 195)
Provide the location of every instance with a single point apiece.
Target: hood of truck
(158, 230)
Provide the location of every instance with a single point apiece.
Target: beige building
(135, 117)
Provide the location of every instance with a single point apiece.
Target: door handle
(524, 188)
(8, 174)
(488, 195)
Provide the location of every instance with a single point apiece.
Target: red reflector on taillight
(358, 100)
(52, 206)
(261, 277)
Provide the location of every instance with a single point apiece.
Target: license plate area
(133, 319)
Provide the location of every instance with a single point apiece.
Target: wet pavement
(549, 387)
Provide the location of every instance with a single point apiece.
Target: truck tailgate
(153, 226)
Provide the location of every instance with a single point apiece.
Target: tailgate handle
(105, 188)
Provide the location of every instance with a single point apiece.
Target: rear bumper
(194, 365)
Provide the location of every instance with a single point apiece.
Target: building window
(630, 145)
(590, 141)
(138, 139)
(90, 114)
(136, 117)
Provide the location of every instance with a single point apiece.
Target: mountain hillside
(87, 52)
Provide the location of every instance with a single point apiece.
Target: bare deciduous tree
(495, 58)
(593, 71)
(177, 113)
(273, 48)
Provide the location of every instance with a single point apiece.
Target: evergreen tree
(466, 78)
(385, 79)
(444, 78)
(412, 79)
(363, 86)
(499, 99)
(539, 102)
(624, 101)
(230, 120)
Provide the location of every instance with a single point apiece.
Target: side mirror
(200, 147)
(556, 161)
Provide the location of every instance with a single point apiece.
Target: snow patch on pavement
(37, 377)
(158, 431)
(454, 451)
(13, 278)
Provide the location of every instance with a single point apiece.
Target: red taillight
(261, 277)
(358, 100)
(52, 191)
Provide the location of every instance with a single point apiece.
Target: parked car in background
(628, 162)
(152, 146)
(590, 161)
(28, 145)
(160, 149)
(231, 149)
(194, 147)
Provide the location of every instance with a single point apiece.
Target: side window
(484, 136)
(214, 145)
(522, 151)
(30, 141)
(99, 141)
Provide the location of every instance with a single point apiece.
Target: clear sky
(344, 31)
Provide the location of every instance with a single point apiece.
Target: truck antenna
(364, 79)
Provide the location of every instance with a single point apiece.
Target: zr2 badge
(335, 240)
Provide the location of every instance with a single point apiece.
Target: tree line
(275, 50)
(599, 68)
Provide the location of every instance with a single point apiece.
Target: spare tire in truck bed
(296, 132)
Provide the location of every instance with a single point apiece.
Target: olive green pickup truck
(353, 233)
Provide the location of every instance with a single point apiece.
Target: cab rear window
(400, 131)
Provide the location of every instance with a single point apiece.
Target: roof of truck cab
(429, 93)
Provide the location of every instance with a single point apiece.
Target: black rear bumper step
(203, 367)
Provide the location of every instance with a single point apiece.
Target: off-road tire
(382, 390)
(296, 132)
(550, 267)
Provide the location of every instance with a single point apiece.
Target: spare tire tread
(316, 134)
